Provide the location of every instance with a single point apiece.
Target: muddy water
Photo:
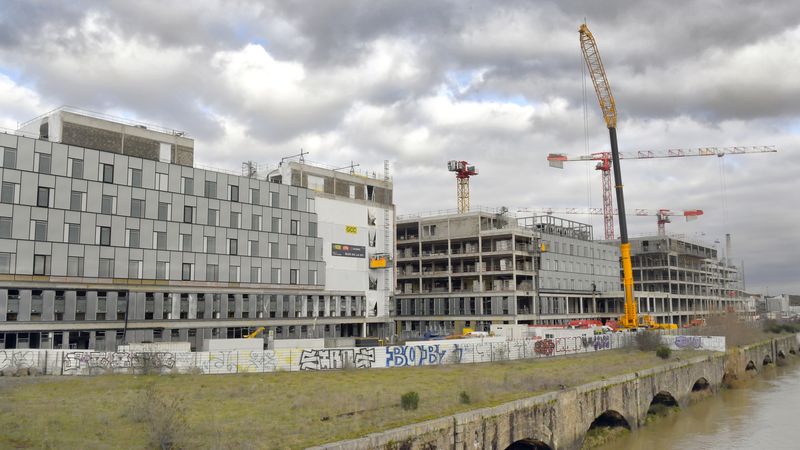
(762, 415)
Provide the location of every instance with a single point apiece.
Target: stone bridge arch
(751, 366)
(701, 384)
(767, 360)
(529, 444)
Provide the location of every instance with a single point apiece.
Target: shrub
(463, 397)
(163, 415)
(648, 341)
(409, 400)
(663, 352)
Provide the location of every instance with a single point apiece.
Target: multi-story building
(484, 267)
(578, 276)
(677, 280)
(108, 234)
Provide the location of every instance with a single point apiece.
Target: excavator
(255, 333)
(630, 319)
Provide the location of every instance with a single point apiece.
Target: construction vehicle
(463, 171)
(609, 109)
(604, 166)
(255, 333)
(662, 215)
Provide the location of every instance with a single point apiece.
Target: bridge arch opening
(767, 360)
(701, 385)
(792, 352)
(781, 355)
(604, 428)
(529, 444)
(662, 404)
(750, 366)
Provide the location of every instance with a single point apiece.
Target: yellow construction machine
(592, 56)
(254, 334)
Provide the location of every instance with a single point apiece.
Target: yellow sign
(352, 229)
(377, 262)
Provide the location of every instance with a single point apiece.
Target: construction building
(483, 267)
(677, 279)
(110, 234)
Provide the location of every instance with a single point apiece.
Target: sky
(498, 84)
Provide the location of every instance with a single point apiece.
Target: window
(135, 177)
(213, 216)
(8, 192)
(44, 163)
(210, 190)
(293, 251)
(106, 268)
(311, 252)
(5, 227)
(233, 274)
(255, 274)
(107, 173)
(186, 243)
(76, 201)
(134, 269)
(133, 238)
(74, 266)
(165, 152)
(255, 222)
(43, 197)
(162, 182)
(75, 168)
(41, 264)
(293, 275)
(233, 246)
(108, 205)
(233, 193)
(10, 158)
(39, 230)
(104, 236)
(275, 199)
(312, 277)
(162, 270)
(186, 271)
(137, 207)
(210, 245)
(163, 211)
(293, 202)
(212, 272)
(235, 219)
(276, 225)
(74, 233)
(273, 250)
(312, 229)
(276, 275)
(255, 196)
(188, 214)
(253, 248)
(295, 226)
(5, 262)
(160, 240)
(187, 185)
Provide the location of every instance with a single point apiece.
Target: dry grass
(282, 410)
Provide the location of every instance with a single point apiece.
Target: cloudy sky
(498, 84)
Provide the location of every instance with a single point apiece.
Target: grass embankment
(277, 410)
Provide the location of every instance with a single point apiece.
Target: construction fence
(431, 353)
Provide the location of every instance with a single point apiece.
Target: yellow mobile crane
(603, 89)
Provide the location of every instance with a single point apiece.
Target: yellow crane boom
(609, 109)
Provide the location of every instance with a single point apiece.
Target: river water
(762, 415)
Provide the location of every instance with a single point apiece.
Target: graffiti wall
(87, 362)
(712, 343)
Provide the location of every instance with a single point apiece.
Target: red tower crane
(662, 215)
(463, 171)
(604, 166)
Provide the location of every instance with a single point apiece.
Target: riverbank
(279, 410)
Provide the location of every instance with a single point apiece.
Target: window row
(75, 169)
(75, 268)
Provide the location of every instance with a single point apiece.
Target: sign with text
(351, 251)
(352, 229)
